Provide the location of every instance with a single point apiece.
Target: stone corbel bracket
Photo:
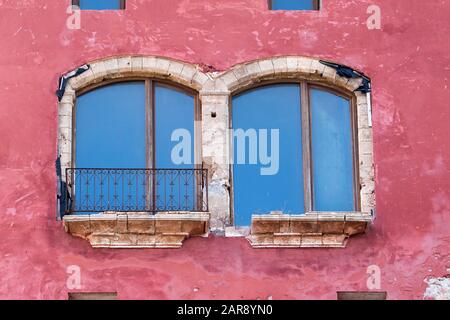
(312, 230)
(117, 230)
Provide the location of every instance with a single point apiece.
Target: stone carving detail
(329, 230)
(115, 230)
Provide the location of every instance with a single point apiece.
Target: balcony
(136, 190)
(136, 207)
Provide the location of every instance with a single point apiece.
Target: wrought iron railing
(136, 190)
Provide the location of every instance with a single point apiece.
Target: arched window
(294, 151)
(134, 149)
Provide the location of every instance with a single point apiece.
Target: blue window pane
(269, 107)
(293, 5)
(110, 133)
(174, 126)
(110, 127)
(99, 4)
(332, 158)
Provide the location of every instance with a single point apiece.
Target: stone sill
(312, 230)
(137, 230)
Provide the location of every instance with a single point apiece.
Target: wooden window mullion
(306, 145)
(148, 121)
(198, 164)
(316, 4)
(150, 139)
(355, 150)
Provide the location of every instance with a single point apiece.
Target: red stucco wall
(408, 61)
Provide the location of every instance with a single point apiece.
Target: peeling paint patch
(438, 289)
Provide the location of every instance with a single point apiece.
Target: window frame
(361, 295)
(305, 87)
(121, 2)
(92, 296)
(316, 6)
(149, 118)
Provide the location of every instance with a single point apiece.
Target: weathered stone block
(354, 227)
(149, 64)
(97, 241)
(162, 66)
(354, 83)
(65, 133)
(366, 161)
(317, 67)
(175, 68)
(230, 80)
(122, 221)
(143, 226)
(292, 63)
(124, 240)
(265, 226)
(261, 240)
(79, 228)
(103, 225)
(334, 240)
(253, 69)
(329, 74)
(98, 69)
(287, 240)
(285, 226)
(146, 240)
(170, 240)
(280, 65)
(111, 66)
(311, 241)
(137, 64)
(266, 67)
(298, 226)
(188, 73)
(242, 74)
(365, 147)
(124, 64)
(200, 79)
(168, 226)
(327, 227)
(194, 228)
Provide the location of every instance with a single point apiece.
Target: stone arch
(250, 74)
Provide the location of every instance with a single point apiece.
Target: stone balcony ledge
(312, 230)
(137, 230)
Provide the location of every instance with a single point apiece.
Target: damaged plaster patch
(438, 289)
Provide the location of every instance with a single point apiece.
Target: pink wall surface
(408, 61)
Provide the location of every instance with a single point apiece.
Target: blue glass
(110, 133)
(293, 5)
(99, 4)
(269, 107)
(332, 154)
(174, 125)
